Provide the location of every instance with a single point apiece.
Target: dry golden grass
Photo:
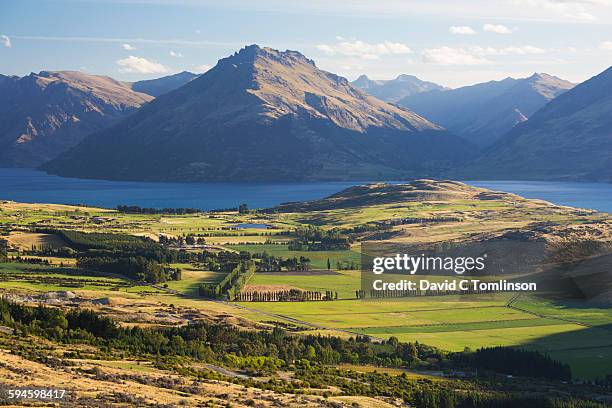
(27, 207)
(25, 240)
(100, 381)
(362, 402)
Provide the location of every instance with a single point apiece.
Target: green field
(453, 323)
(573, 332)
(343, 282)
(318, 259)
(192, 278)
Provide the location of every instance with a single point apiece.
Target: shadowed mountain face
(160, 86)
(396, 89)
(484, 112)
(42, 115)
(262, 114)
(570, 138)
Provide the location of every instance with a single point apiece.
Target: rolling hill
(482, 113)
(568, 139)
(262, 114)
(396, 89)
(44, 114)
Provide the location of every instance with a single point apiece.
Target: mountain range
(44, 114)
(160, 86)
(482, 113)
(396, 89)
(568, 139)
(262, 114)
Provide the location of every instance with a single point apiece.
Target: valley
(40, 270)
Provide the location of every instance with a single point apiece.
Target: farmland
(575, 332)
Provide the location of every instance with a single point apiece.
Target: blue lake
(37, 187)
(597, 196)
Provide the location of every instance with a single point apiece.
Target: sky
(450, 42)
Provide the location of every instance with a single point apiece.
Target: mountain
(159, 86)
(482, 113)
(568, 139)
(394, 89)
(262, 114)
(44, 114)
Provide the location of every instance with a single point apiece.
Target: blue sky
(452, 42)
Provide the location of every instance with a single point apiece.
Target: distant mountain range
(396, 89)
(45, 114)
(570, 138)
(482, 113)
(42, 115)
(160, 86)
(262, 114)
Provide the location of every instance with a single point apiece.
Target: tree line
(135, 209)
(230, 286)
(137, 258)
(271, 263)
(290, 295)
(3, 250)
(312, 238)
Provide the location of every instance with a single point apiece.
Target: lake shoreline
(33, 186)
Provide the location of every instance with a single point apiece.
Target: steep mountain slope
(160, 86)
(482, 113)
(262, 114)
(42, 115)
(570, 138)
(394, 89)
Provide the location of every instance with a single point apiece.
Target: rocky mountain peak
(263, 114)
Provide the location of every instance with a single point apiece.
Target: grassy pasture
(318, 258)
(586, 363)
(191, 278)
(42, 278)
(573, 311)
(26, 240)
(343, 282)
(456, 322)
(572, 332)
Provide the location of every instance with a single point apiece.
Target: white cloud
(362, 49)
(452, 56)
(573, 9)
(128, 47)
(474, 55)
(6, 41)
(513, 50)
(202, 68)
(326, 49)
(606, 46)
(175, 54)
(496, 28)
(462, 30)
(139, 65)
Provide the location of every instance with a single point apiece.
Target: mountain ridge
(567, 139)
(393, 90)
(263, 114)
(159, 86)
(44, 114)
(488, 109)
